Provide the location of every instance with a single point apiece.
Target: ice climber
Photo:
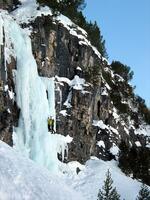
(50, 124)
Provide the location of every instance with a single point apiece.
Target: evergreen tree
(122, 70)
(143, 109)
(144, 193)
(108, 192)
(96, 37)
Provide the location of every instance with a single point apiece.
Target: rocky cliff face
(87, 114)
(84, 87)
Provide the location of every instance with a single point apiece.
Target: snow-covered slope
(22, 179)
(92, 177)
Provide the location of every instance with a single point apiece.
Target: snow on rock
(8, 110)
(22, 179)
(79, 68)
(107, 86)
(6, 88)
(101, 144)
(63, 80)
(91, 179)
(76, 83)
(63, 112)
(138, 144)
(103, 126)
(11, 94)
(115, 115)
(104, 92)
(124, 102)
(119, 78)
(114, 130)
(100, 124)
(126, 130)
(28, 11)
(143, 130)
(114, 150)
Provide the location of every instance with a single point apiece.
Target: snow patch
(115, 115)
(76, 83)
(63, 112)
(79, 68)
(143, 130)
(11, 94)
(100, 124)
(101, 144)
(114, 130)
(114, 150)
(138, 144)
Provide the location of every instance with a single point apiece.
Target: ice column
(31, 137)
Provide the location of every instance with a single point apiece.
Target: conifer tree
(108, 192)
(144, 193)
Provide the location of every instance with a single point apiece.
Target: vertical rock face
(58, 53)
(84, 105)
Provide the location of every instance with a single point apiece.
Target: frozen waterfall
(31, 137)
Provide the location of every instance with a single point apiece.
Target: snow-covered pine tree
(144, 193)
(108, 192)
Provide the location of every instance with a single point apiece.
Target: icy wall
(31, 137)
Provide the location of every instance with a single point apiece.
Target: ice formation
(36, 99)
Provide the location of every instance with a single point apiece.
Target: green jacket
(50, 122)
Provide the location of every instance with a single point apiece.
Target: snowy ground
(22, 179)
(90, 180)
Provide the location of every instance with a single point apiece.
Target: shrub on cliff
(123, 70)
(143, 109)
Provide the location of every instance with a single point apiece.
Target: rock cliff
(85, 90)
